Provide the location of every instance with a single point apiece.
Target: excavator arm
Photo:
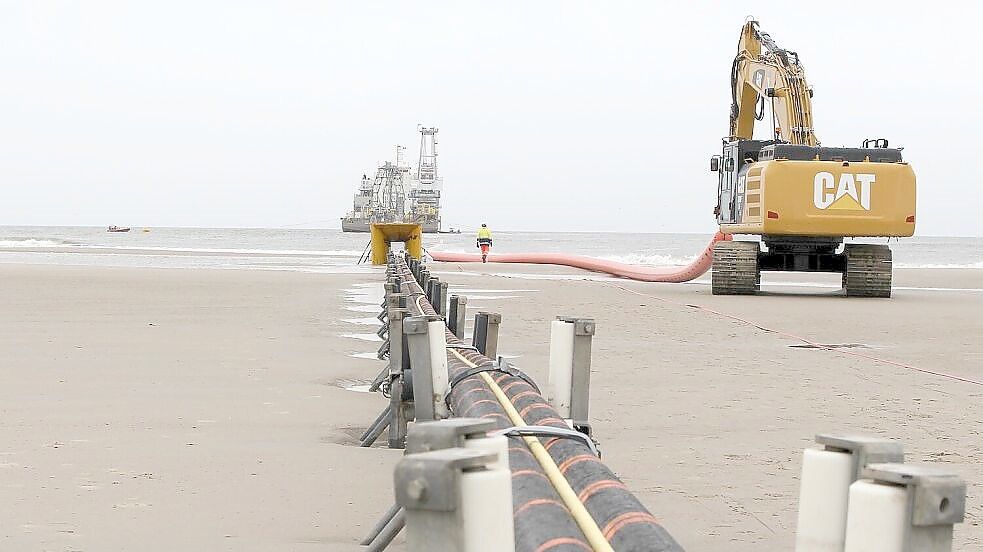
(761, 72)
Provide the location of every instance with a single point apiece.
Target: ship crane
(398, 194)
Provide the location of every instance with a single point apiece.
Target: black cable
(500, 366)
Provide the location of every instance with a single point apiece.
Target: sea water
(333, 251)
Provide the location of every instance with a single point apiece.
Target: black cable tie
(463, 347)
(549, 431)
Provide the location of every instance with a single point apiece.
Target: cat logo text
(849, 192)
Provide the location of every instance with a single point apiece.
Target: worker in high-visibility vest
(484, 241)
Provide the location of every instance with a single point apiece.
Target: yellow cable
(577, 509)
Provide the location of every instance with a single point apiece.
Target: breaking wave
(947, 265)
(36, 242)
(232, 251)
(649, 260)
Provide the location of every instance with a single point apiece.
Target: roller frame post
(818, 493)
(433, 285)
(485, 337)
(428, 482)
(401, 411)
(416, 328)
(440, 295)
(457, 311)
(583, 332)
(389, 287)
(929, 524)
(397, 341)
(428, 488)
(399, 364)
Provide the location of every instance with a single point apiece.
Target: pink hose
(695, 269)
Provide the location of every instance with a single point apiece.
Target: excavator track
(868, 270)
(735, 268)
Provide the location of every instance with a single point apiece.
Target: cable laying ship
(397, 194)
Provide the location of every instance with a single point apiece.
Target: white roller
(877, 518)
(558, 388)
(486, 511)
(438, 357)
(498, 445)
(823, 498)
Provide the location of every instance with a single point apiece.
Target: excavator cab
(731, 166)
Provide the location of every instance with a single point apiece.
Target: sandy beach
(197, 409)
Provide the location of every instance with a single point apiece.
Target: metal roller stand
(433, 285)
(429, 489)
(401, 384)
(485, 337)
(425, 437)
(583, 331)
(824, 486)
(935, 500)
(440, 292)
(432, 487)
(416, 329)
(383, 420)
(383, 351)
(388, 286)
(456, 314)
(394, 416)
(435, 297)
(395, 302)
(384, 318)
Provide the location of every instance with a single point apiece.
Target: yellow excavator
(802, 199)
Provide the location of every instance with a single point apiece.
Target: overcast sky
(553, 115)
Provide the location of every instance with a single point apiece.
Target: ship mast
(426, 171)
(425, 188)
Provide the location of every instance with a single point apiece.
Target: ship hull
(363, 227)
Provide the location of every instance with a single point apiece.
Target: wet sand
(204, 409)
